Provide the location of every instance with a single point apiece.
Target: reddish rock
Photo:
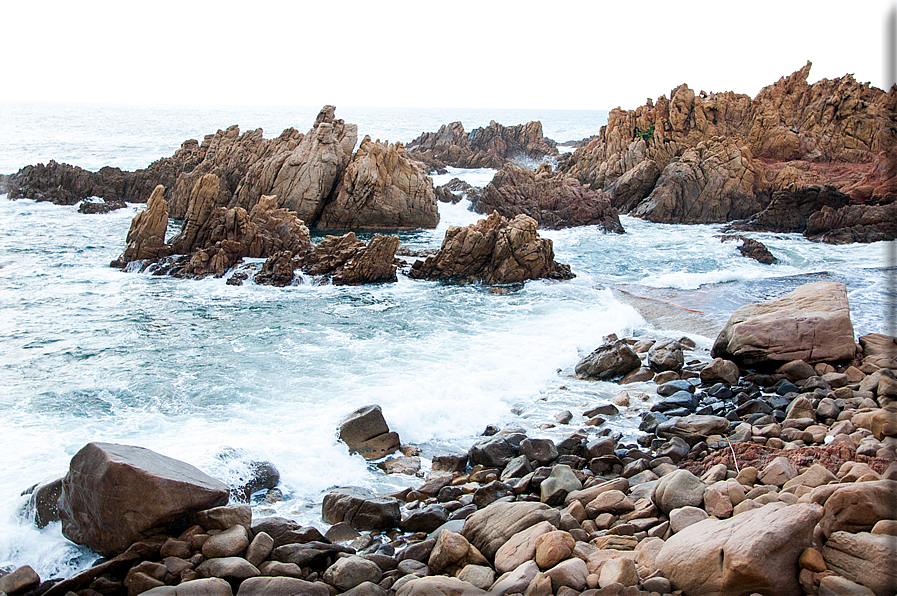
(781, 158)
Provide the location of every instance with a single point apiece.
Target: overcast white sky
(465, 53)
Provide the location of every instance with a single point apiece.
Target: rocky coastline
(767, 466)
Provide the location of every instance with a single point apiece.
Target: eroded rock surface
(773, 160)
(488, 147)
(493, 250)
(812, 323)
(554, 200)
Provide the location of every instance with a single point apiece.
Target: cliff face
(711, 158)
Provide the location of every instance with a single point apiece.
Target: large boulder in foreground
(115, 495)
(493, 250)
(812, 324)
(754, 552)
(489, 528)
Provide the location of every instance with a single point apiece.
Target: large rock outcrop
(146, 237)
(691, 158)
(488, 147)
(554, 200)
(309, 174)
(494, 251)
(114, 495)
(812, 324)
(382, 189)
(64, 184)
(213, 238)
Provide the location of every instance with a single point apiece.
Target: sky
(509, 54)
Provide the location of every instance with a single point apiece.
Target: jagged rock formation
(382, 189)
(214, 239)
(63, 184)
(146, 237)
(489, 147)
(447, 192)
(307, 173)
(345, 260)
(699, 158)
(554, 200)
(494, 251)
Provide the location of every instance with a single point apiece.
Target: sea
(220, 376)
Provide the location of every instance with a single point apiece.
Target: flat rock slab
(812, 323)
(116, 495)
(755, 551)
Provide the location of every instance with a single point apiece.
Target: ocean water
(191, 368)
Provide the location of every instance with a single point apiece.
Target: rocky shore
(768, 466)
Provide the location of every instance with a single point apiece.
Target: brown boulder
(489, 528)
(381, 189)
(104, 502)
(365, 431)
(812, 323)
(867, 559)
(609, 361)
(880, 350)
(755, 551)
(855, 507)
(361, 508)
(493, 250)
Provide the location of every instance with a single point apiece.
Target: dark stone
(673, 387)
(650, 420)
(609, 361)
(107, 483)
(542, 451)
(680, 399)
(424, 520)
(361, 508)
(494, 452)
